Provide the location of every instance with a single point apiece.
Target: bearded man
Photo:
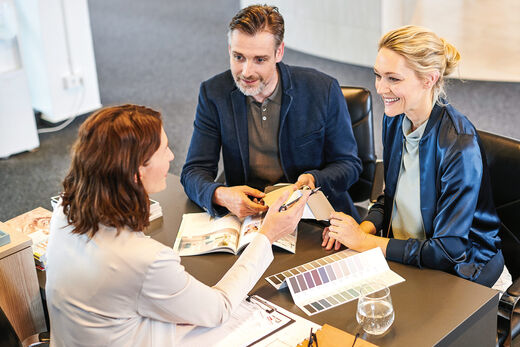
(273, 122)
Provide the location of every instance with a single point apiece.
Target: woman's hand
(329, 242)
(344, 230)
(277, 224)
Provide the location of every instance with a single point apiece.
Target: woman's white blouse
(130, 290)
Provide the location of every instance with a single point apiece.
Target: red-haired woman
(107, 283)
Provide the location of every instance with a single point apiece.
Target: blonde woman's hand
(329, 242)
(344, 230)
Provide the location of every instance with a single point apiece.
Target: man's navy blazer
(315, 137)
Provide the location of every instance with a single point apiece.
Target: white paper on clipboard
(256, 322)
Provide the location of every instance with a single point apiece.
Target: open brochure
(36, 225)
(200, 233)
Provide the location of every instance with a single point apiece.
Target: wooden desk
(431, 307)
(19, 291)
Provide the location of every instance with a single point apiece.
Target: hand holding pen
(285, 206)
(278, 223)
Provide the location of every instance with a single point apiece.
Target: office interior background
(156, 53)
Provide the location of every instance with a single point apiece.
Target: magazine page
(251, 225)
(273, 193)
(36, 225)
(288, 242)
(200, 233)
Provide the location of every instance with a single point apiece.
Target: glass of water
(375, 312)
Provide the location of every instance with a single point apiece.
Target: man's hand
(237, 200)
(306, 180)
(278, 223)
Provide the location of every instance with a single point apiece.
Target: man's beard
(250, 91)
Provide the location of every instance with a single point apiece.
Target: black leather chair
(370, 184)
(503, 159)
(8, 337)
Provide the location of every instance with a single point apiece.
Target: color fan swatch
(278, 280)
(336, 283)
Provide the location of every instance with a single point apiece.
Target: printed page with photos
(200, 234)
(36, 225)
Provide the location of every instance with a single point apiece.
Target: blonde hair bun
(452, 56)
(424, 52)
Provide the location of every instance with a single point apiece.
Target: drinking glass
(375, 312)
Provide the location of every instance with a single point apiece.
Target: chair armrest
(514, 289)
(509, 314)
(37, 340)
(378, 185)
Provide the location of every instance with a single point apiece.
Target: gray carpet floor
(157, 53)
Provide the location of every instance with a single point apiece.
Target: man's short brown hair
(257, 18)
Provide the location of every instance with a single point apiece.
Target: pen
(358, 332)
(355, 339)
(284, 207)
(313, 339)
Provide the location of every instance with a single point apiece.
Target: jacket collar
(285, 77)
(435, 115)
(287, 99)
(239, 106)
(287, 96)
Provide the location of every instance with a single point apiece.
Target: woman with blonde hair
(437, 209)
(107, 283)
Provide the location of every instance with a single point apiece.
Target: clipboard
(270, 310)
(251, 323)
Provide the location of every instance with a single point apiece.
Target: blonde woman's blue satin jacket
(458, 212)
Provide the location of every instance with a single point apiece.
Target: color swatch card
(278, 280)
(336, 283)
